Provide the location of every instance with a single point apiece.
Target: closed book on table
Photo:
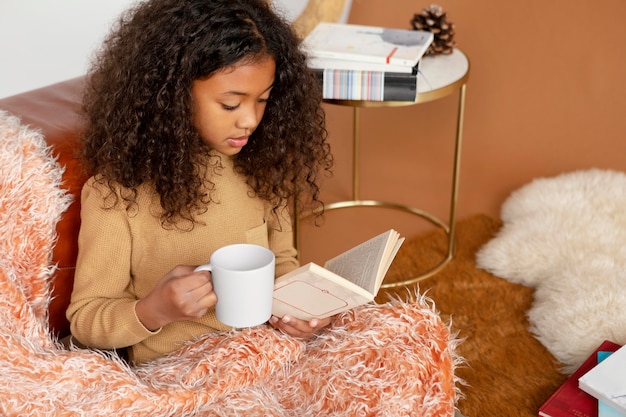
(344, 64)
(367, 85)
(373, 44)
(571, 401)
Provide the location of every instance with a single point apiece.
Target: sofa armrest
(54, 110)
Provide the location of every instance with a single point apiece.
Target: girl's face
(229, 105)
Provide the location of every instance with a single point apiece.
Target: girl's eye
(229, 108)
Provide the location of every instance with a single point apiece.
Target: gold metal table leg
(449, 227)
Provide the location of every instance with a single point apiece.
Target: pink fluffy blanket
(395, 359)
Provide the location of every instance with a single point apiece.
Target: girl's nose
(248, 120)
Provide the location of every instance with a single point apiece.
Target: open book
(346, 281)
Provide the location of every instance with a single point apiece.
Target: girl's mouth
(239, 142)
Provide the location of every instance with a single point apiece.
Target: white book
(346, 281)
(404, 47)
(345, 64)
(607, 381)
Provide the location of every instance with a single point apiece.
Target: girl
(203, 124)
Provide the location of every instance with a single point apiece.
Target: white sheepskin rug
(394, 359)
(566, 237)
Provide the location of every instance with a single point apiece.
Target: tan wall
(547, 94)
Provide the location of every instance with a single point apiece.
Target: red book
(569, 400)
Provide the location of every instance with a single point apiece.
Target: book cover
(607, 381)
(569, 400)
(367, 43)
(312, 291)
(367, 85)
(346, 281)
(605, 410)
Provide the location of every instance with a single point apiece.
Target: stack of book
(356, 62)
(591, 390)
(607, 383)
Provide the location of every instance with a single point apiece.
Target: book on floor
(346, 281)
(607, 381)
(374, 44)
(367, 85)
(569, 400)
(605, 410)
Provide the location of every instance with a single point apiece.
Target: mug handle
(205, 267)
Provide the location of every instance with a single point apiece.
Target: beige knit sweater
(122, 255)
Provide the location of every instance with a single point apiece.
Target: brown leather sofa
(54, 110)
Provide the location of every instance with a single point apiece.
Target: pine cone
(434, 19)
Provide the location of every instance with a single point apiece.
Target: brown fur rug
(508, 372)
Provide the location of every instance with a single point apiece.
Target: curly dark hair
(138, 105)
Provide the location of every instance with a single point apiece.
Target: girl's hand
(299, 328)
(181, 294)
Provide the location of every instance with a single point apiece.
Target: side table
(438, 77)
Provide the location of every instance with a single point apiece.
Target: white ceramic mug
(243, 280)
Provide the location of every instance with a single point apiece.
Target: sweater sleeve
(102, 307)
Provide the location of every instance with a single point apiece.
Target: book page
(391, 253)
(366, 264)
